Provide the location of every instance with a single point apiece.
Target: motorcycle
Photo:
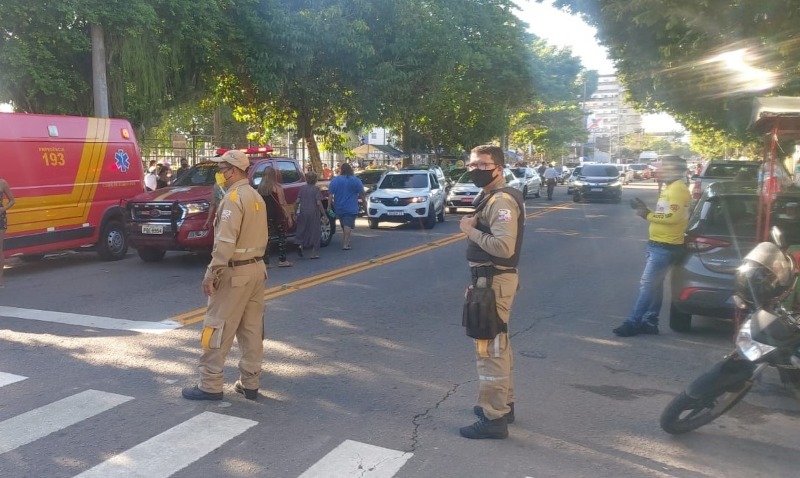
(770, 337)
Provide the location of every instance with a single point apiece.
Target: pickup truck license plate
(394, 213)
(152, 229)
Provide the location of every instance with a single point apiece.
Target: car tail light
(687, 292)
(702, 244)
(697, 190)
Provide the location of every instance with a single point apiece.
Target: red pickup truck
(173, 218)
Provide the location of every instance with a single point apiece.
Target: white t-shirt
(150, 181)
(551, 173)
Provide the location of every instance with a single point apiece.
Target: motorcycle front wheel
(684, 413)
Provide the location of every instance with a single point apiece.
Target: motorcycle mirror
(777, 238)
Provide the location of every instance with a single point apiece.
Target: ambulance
(70, 177)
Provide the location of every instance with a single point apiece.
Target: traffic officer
(494, 240)
(234, 284)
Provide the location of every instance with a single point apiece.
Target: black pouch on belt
(480, 314)
(479, 317)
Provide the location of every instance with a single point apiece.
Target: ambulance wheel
(151, 254)
(113, 243)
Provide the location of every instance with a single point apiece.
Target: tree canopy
(701, 61)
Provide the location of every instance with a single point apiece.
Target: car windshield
(404, 181)
(455, 173)
(599, 170)
(743, 170)
(518, 172)
(465, 178)
(371, 176)
(198, 175)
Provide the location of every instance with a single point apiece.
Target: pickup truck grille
(155, 212)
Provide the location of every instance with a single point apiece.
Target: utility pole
(583, 111)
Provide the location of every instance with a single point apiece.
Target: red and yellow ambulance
(70, 177)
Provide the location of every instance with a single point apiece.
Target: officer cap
(234, 157)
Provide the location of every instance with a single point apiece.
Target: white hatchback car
(405, 196)
(464, 192)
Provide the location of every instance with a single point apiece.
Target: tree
(689, 58)
(157, 53)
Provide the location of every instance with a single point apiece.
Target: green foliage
(667, 54)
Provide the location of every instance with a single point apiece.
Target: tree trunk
(304, 126)
(406, 142)
(99, 82)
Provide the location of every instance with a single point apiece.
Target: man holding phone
(664, 249)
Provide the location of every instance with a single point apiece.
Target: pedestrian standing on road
(550, 178)
(162, 179)
(345, 191)
(234, 285)
(310, 212)
(6, 202)
(664, 249)
(494, 239)
(278, 217)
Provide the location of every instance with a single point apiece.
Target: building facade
(609, 118)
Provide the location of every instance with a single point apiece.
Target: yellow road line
(274, 292)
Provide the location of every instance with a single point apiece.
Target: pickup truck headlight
(190, 208)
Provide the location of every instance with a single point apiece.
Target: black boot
(485, 428)
(194, 393)
(249, 393)
(477, 410)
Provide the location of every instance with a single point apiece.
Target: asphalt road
(367, 370)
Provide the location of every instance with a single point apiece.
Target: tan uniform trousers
(494, 357)
(237, 305)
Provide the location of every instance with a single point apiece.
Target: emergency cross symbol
(123, 162)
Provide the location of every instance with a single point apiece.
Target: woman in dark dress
(272, 193)
(309, 212)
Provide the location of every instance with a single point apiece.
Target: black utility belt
(665, 245)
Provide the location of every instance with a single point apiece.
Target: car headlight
(418, 199)
(614, 184)
(578, 183)
(374, 199)
(750, 348)
(194, 207)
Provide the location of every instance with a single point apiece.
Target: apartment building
(609, 117)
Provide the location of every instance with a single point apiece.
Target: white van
(647, 156)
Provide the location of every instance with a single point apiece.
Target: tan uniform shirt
(240, 228)
(501, 215)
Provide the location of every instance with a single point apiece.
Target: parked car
(564, 175)
(625, 173)
(530, 180)
(407, 195)
(721, 231)
(723, 170)
(597, 181)
(370, 179)
(573, 176)
(173, 218)
(464, 192)
(640, 171)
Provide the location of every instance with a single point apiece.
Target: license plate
(394, 213)
(467, 200)
(152, 229)
(597, 190)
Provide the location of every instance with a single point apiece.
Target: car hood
(401, 192)
(463, 188)
(175, 193)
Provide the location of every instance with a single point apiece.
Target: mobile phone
(637, 203)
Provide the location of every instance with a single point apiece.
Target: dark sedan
(597, 182)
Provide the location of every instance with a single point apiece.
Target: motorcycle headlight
(750, 348)
(195, 207)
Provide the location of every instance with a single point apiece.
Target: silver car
(530, 179)
(463, 192)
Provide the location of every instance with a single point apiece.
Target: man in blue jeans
(345, 190)
(664, 249)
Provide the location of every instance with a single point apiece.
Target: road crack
(419, 418)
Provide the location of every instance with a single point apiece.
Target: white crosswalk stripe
(169, 452)
(38, 423)
(352, 458)
(172, 450)
(9, 378)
